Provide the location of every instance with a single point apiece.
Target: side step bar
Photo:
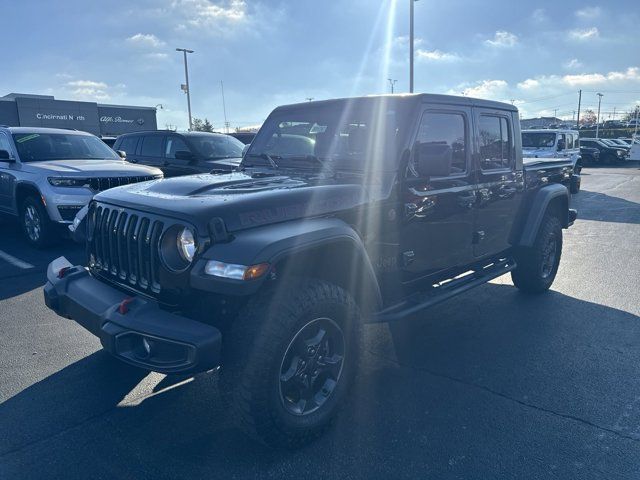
(444, 290)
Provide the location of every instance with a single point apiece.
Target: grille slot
(124, 247)
(105, 183)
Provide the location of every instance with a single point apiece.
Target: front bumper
(135, 330)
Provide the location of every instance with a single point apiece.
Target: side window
(129, 145)
(444, 133)
(175, 144)
(564, 138)
(495, 143)
(4, 143)
(152, 146)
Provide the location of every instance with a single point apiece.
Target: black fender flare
(538, 208)
(273, 243)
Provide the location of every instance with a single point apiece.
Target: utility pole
(224, 108)
(186, 88)
(614, 113)
(309, 99)
(411, 2)
(598, 119)
(579, 102)
(392, 82)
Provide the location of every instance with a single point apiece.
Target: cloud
(588, 12)
(586, 34)
(88, 90)
(572, 64)
(528, 84)
(492, 89)
(436, 55)
(539, 15)
(146, 40)
(632, 74)
(502, 39)
(157, 56)
(203, 13)
(87, 84)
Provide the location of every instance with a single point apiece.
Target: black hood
(240, 199)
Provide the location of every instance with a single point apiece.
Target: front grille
(124, 246)
(105, 183)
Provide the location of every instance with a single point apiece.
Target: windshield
(538, 139)
(36, 147)
(348, 135)
(213, 147)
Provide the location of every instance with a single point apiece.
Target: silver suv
(47, 175)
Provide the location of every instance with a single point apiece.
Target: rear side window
(175, 144)
(129, 144)
(442, 130)
(496, 143)
(152, 146)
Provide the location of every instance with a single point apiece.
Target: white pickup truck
(552, 144)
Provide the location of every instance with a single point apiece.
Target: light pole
(392, 82)
(186, 86)
(411, 2)
(598, 118)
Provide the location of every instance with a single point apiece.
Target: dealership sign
(55, 116)
(106, 119)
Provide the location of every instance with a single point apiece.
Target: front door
(178, 166)
(438, 225)
(500, 181)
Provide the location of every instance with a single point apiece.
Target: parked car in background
(618, 142)
(109, 141)
(634, 148)
(608, 153)
(47, 175)
(181, 153)
(633, 123)
(589, 155)
(552, 144)
(244, 137)
(613, 124)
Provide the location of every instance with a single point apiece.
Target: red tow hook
(63, 271)
(124, 305)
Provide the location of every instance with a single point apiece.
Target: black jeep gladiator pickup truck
(342, 212)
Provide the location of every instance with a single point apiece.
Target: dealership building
(25, 110)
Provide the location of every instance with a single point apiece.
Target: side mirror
(6, 156)
(122, 154)
(245, 148)
(184, 155)
(434, 159)
(561, 145)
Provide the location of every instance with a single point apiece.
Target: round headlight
(186, 244)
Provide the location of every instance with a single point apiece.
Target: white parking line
(15, 261)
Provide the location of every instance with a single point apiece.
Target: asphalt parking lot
(492, 384)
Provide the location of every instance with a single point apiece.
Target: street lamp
(392, 82)
(598, 118)
(185, 87)
(411, 2)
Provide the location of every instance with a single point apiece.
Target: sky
(535, 54)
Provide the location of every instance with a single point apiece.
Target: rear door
(500, 180)
(152, 150)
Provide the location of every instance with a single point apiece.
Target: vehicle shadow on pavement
(606, 208)
(495, 383)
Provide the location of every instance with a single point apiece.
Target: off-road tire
(46, 229)
(253, 353)
(535, 272)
